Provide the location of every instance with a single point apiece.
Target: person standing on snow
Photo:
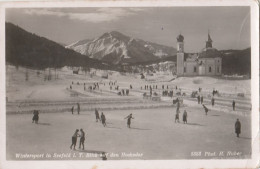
(74, 139)
(97, 115)
(103, 119)
(82, 139)
(234, 105)
(184, 117)
(238, 127)
(129, 117)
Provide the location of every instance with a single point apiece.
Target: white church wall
(210, 66)
(202, 70)
(190, 68)
(218, 65)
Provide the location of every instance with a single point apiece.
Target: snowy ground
(154, 135)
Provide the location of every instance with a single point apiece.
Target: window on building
(218, 69)
(210, 69)
(184, 70)
(195, 69)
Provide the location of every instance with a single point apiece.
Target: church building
(206, 63)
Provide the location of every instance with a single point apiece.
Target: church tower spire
(209, 42)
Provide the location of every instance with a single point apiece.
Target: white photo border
(223, 163)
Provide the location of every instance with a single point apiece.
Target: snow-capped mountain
(116, 48)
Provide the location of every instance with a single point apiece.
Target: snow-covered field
(154, 134)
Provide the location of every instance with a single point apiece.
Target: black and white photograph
(115, 83)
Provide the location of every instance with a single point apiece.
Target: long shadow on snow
(136, 128)
(195, 124)
(76, 114)
(45, 124)
(247, 138)
(113, 127)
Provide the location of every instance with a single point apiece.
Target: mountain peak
(116, 33)
(115, 47)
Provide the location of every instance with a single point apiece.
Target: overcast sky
(229, 26)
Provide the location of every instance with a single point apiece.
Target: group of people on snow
(200, 101)
(102, 118)
(74, 139)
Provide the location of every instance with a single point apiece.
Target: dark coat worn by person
(206, 109)
(185, 116)
(97, 115)
(238, 127)
(234, 104)
(129, 117)
(74, 139)
(103, 119)
(82, 139)
(35, 116)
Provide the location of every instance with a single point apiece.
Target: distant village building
(75, 70)
(206, 63)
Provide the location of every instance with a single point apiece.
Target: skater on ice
(129, 117)
(97, 115)
(35, 116)
(184, 117)
(238, 127)
(103, 119)
(206, 109)
(82, 139)
(74, 139)
(234, 105)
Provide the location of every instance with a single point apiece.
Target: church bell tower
(180, 55)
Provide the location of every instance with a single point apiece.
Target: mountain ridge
(117, 48)
(27, 49)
